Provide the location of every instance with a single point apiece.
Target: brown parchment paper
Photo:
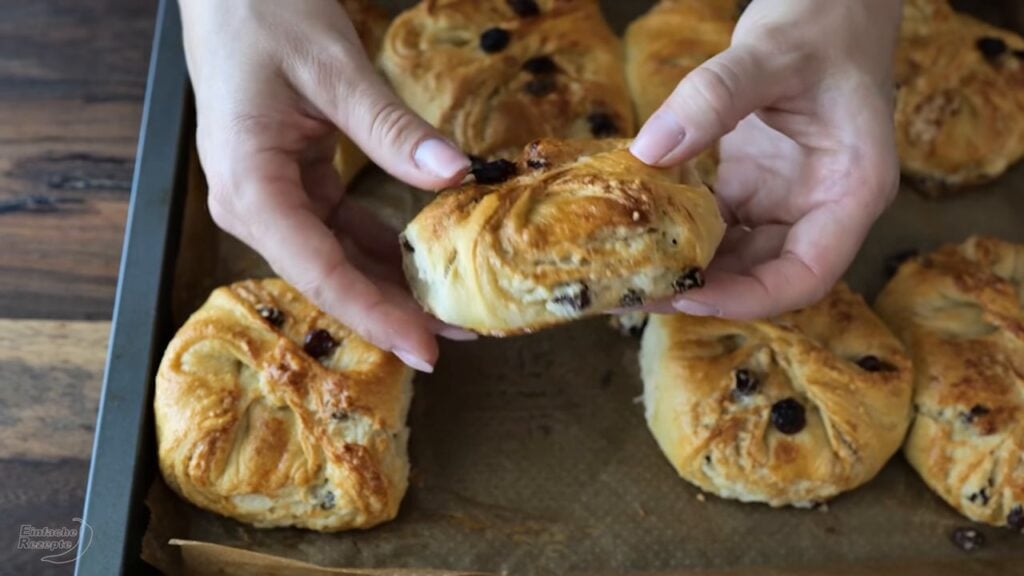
(531, 456)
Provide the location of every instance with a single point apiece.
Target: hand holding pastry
(803, 98)
(274, 81)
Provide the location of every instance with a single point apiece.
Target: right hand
(273, 82)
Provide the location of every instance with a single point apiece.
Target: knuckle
(715, 87)
(389, 123)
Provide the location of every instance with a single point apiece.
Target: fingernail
(413, 361)
(457, 334)
(659, 138)
(695, 308)
(440, 158)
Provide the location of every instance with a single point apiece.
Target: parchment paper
(531, 456)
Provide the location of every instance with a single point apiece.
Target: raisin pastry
(370, 24)
(791, 411)
(667, 43)
(576, 227)
(271, 412)
(959, 310)
(960, 100)
(496, 74)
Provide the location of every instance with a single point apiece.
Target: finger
(269, 211)
(817, 251)
(370, 233)
(712, 99)
(346, 89)
(744, 248)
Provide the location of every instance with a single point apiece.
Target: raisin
(746, 382)
(976, 411)
(540, 65)
(1015, 519)
(981, 496)
(319, 343)
(992, 47)
(873, 364)
(632, 298)
(494, 40)
(524, 8)
(536, 164)
(1019, 54)
(406, 245)
(602, 125)
(690, 279)
(339, 415)
(541, 86)
(494, 172)
(788, 416)
(272, 315)
(328, 502)
(893, 262)
(967, 539)
(577, 299)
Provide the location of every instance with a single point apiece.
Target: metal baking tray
(123, 463)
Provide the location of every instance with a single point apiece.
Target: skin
(802, 98)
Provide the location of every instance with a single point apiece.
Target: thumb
(352, 95)
(711, 100)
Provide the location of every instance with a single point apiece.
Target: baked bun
(960, 98)
(575, 228)
(791, 411)
(271, 412)
(959, 312)
(495, 74)
(370, 23)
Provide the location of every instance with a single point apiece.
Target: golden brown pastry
(370, 24)
(271, 412)
(958, 310)
(960, 98)
(496, 74)
(791, 411)
(575, 228)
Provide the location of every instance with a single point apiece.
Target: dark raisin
(536, 164)
(494, 172)
(319, 343)
(328, 502)
(979, 497)
(632, 298)
(893, 262)
(339, 415)
(272, 315)
(494, 40)
(1019, 54)
(788, 416)
(967, 539)
(746, 382)
(636, 330)
(602, 125)
(540, 65)
(406, 245)
(540, 86)
(976, 411)
(575, 296)
(873, 364)
(992, 47)
(524, 8)
(1015, 519)
(690, 279)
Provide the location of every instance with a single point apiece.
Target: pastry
(370, 24)
(958, 310)
(493, 75)
(960, 98)
(271, 412)
(791, 411)
(667, 43)
(574, 228)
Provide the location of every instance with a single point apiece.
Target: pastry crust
(714, 390)
(250, 426)
(493, 80)
(583, 228)
(958, 310)
(667, 43)
(960, 98)
(370, 23)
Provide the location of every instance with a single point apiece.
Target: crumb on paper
(639, 399)
(701, 497)
(823, 507)
(640, 510)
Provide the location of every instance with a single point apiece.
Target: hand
(803, 98)
(273, 83)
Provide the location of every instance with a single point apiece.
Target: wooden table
(72, 79)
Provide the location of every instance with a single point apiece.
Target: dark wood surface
(72, 80)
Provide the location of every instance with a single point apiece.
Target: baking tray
(148, 310)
